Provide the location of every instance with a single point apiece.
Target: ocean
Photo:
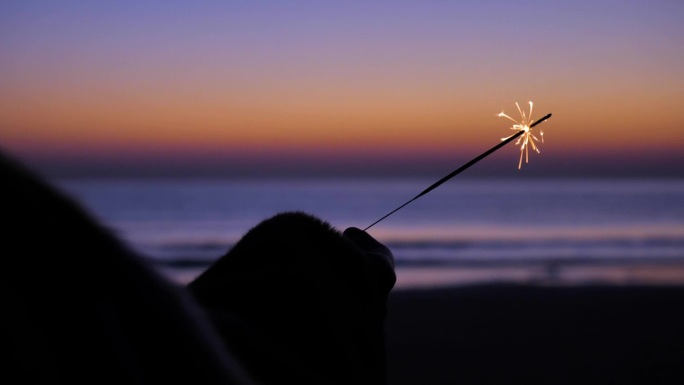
(467, 231)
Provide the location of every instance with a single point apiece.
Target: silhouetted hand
(379, 256)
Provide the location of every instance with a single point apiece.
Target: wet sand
(537, 334)
(551, 274)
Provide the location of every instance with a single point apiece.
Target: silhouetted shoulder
(78, 301)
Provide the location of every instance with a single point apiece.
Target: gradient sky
(340, 88)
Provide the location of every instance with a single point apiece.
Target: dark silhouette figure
(293, 302)
(294, 297)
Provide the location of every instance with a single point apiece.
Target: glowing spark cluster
(527, 139)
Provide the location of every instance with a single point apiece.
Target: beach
(578, 282)
(531, 334)
(576, 324)
(591, 296)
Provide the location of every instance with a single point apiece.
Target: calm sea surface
(465, 225)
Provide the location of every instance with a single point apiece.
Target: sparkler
(525, 138)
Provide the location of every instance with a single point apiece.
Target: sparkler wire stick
(461, 169)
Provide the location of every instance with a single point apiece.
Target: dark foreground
(506, 334)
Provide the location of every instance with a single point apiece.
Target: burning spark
(527, 139)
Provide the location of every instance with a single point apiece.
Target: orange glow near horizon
(407, 125)
(414, 81)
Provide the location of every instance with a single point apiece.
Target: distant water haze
(462, 230)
